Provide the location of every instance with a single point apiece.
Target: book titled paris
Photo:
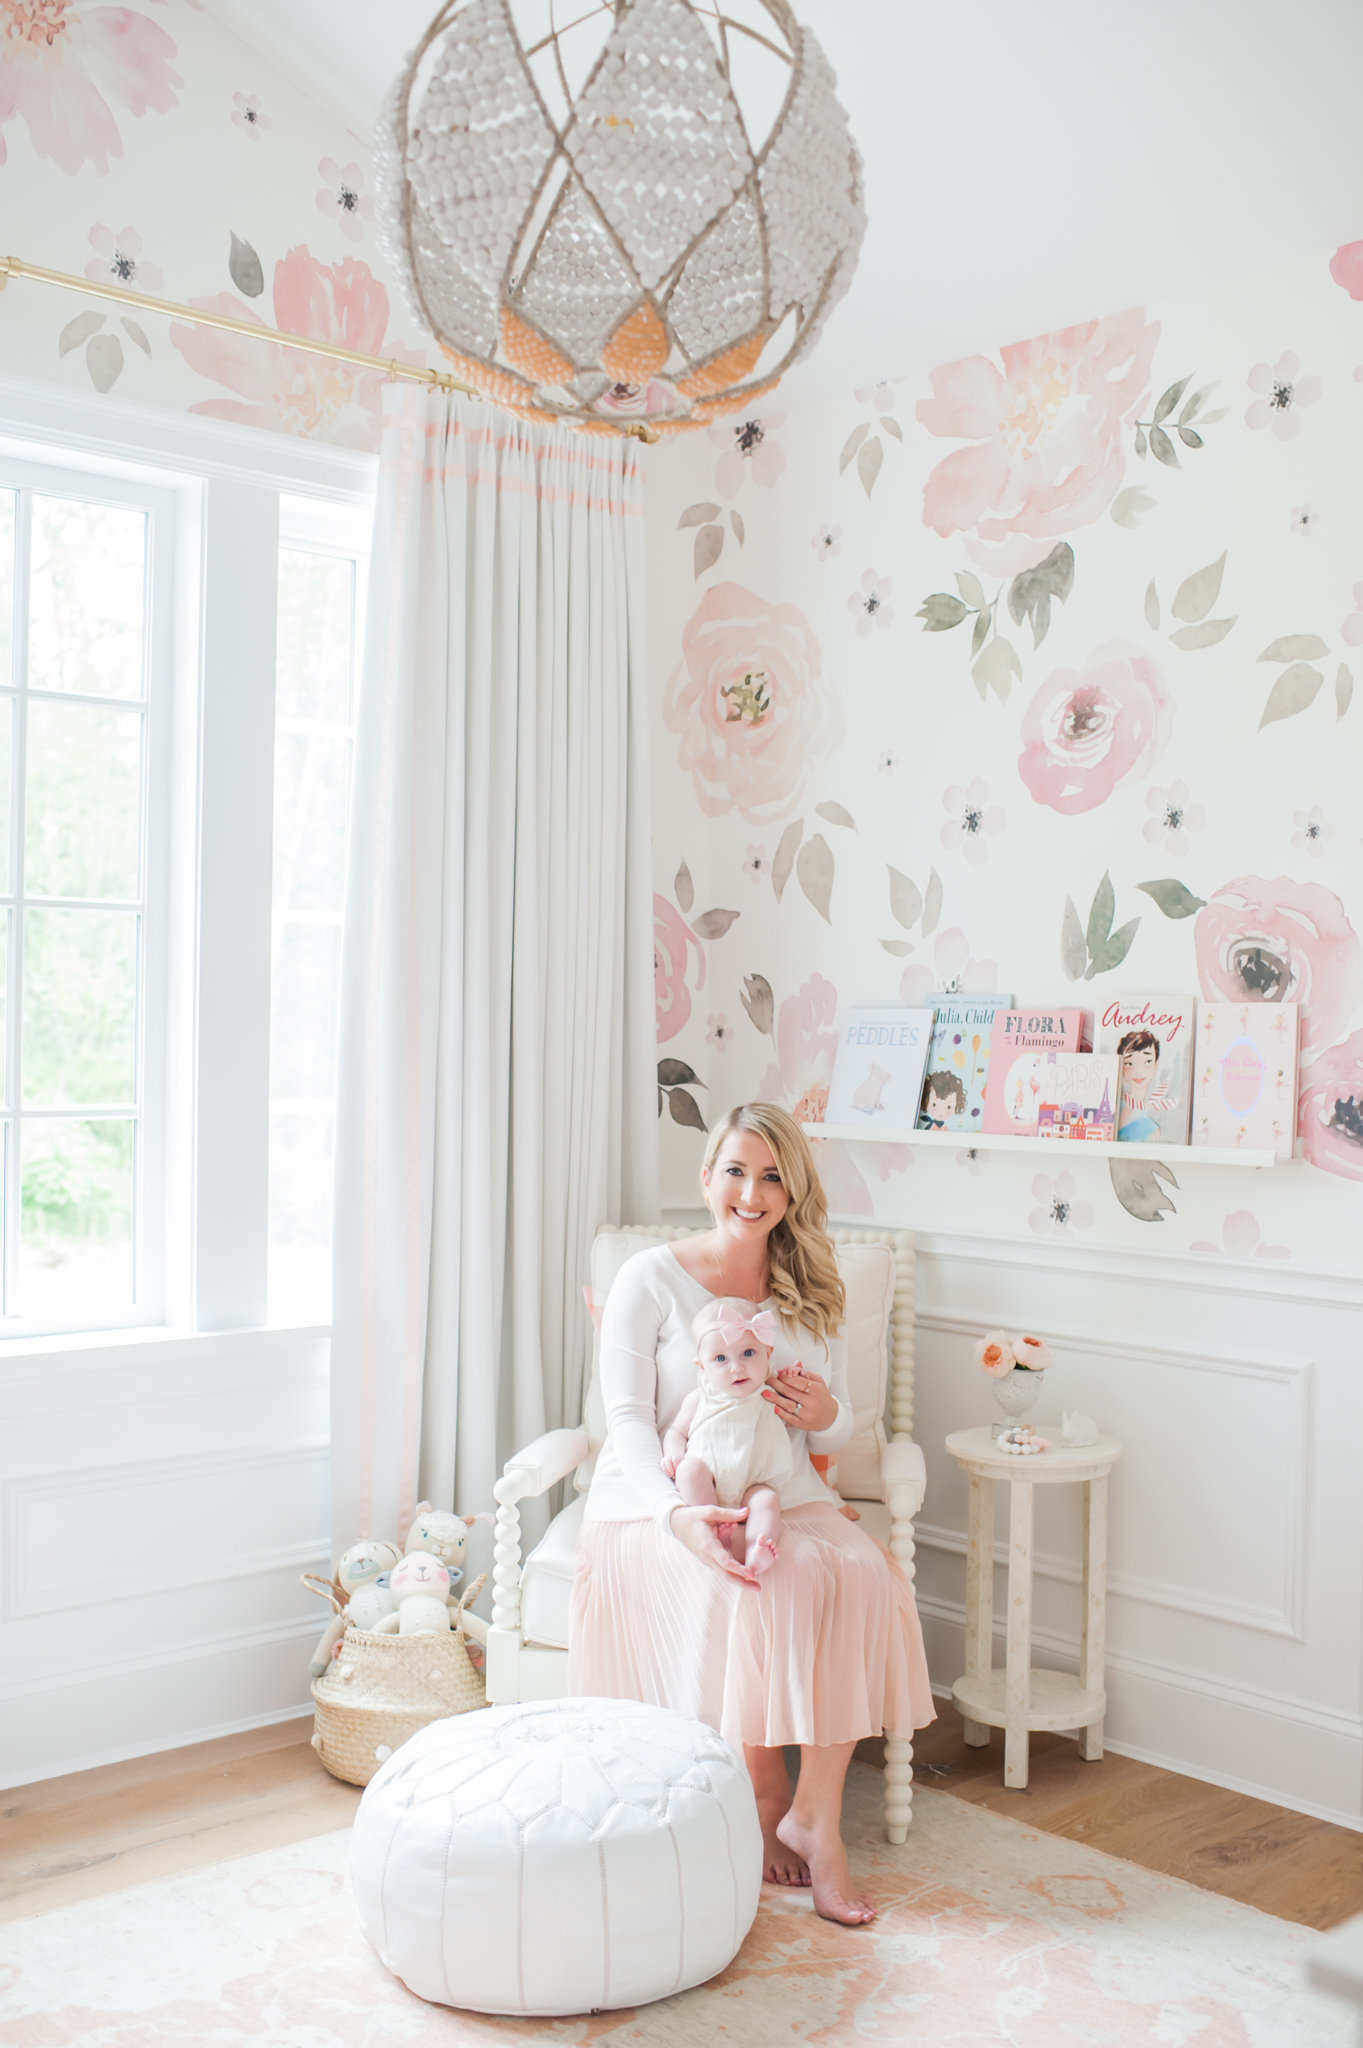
(1018, 1043)
(878, 1072)
(1078, 1099)
(1152, 1037)
(1245, 1076)
(958, 1064)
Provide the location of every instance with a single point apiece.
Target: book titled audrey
(1245, 1076)
(1018, 1042)
(1152, 1037)
(878, 1072)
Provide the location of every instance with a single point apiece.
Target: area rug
(990, 1932)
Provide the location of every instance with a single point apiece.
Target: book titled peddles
(958, 1064)
(1018, 1043)
(1245, 1076)
(1152, 1037)
(878, 1073)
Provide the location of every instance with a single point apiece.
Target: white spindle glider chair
(881, 1474)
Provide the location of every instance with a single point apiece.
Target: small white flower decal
(887, 761)
(119, 256)
(827, 542)
(755, 863)
(881, 396)
(248, 114)
(343, 197)
(1304, 520)
(718, 1033)
(1058, 1214)
(1313, 833)
(870, 605)
(972, 820)
(1172, 817)
(1281, 392)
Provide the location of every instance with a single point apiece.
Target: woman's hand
(801, 1398)
(698, 1528)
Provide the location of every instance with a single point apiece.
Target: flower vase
(1015, 1394)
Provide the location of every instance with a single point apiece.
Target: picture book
(958, 1063)
(1017, 1042)
(878, 1072)
(1078, 1099)
(1152, 1037)
(1245, 1076)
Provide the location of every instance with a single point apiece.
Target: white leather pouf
(563, 1856)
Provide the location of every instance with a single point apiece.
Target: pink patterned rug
(989, 1933)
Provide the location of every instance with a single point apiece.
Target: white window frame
(229, 486)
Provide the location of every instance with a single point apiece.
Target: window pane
(76, 1229)
(301, 1151)
(303, 1012)
(311, 773)
(86, 597)
(80, 984)
(6, 585)
(6, 722)
(315, 636)
(83, 800)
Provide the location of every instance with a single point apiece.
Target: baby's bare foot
(836, 1896)
(762, 1555)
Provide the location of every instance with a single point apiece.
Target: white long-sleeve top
(647, 1369)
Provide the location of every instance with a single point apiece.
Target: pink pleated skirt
(827, 1648)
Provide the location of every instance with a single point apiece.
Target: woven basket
(381, 1688)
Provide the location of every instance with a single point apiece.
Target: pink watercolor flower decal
(952, 970)
(880, 397)
(749, 706)
(1314, 831)
(1281, 392)
(1046, 430)
(1281, 942)
(1346, 268)
(870, 605)
(1058, 1213)
(806, 1042)
(1330, 1110)
(827, 542)
(748, 450)
(718, 1032)
(1241, 1238)
(65, 66)
(755, 863)
(888, 762)
(1087, 730)
(637, 400)
(119, 256)
(674, 943)
(1352, 628)
(342, 199)
(1304, 520)
(292, 393)
(1172, 817)
(246, 114)
(972, 820)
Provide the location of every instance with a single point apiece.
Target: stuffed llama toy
(361, 1566)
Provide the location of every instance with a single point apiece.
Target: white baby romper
(742, 1441)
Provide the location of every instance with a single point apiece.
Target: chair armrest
(904, 1477)
(543, 1463)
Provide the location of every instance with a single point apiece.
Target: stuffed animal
(368, 1604)
(440, 1535)
(361, 1566)
(420, 1585)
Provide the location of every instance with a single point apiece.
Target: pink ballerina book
(1078, 1101)
(1152, 1037)
(1018, 1042)
(1245, 1076)
(878, 1072)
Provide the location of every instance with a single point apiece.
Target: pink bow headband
(731, 1327)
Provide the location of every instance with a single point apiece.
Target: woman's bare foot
(836, 1896)
(780, 1865)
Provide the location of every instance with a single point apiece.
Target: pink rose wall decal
(1346, 268)
(292, 393)
(1047, 432)
(66, 66)
(749, 706)
(1282, 942)
(1087, 730)
(674, 942)
(1330, 1110)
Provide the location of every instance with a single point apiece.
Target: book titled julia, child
(1245, 1085)
(1152, 1037)
(1018, 1042)
(958, 1064)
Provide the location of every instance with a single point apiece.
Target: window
(321, 581)
(84, 625)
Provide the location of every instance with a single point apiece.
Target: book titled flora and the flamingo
(878, 1072)
(958, 1062)
(1019, 1042)
(1245, 1084)
(1152, 1037)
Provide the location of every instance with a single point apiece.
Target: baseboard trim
(96, 1760)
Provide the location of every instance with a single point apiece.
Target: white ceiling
(1028, 162)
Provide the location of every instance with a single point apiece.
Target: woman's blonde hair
(805, 1283)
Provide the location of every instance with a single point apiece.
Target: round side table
(1020, 1698)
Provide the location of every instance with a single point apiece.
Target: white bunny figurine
(1077, 1431)
(420, 1585)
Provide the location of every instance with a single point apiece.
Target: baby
(728, 1446)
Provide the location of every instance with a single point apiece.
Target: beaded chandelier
(633, 222)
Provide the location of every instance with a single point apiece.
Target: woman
(826, 1648)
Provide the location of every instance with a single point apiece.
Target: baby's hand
(669, 1464)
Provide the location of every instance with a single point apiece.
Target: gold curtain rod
(11, 266)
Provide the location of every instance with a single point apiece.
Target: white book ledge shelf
(1064, 1148)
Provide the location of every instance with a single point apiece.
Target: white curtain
(496, 1081)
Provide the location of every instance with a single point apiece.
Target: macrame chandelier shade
(611, 241)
